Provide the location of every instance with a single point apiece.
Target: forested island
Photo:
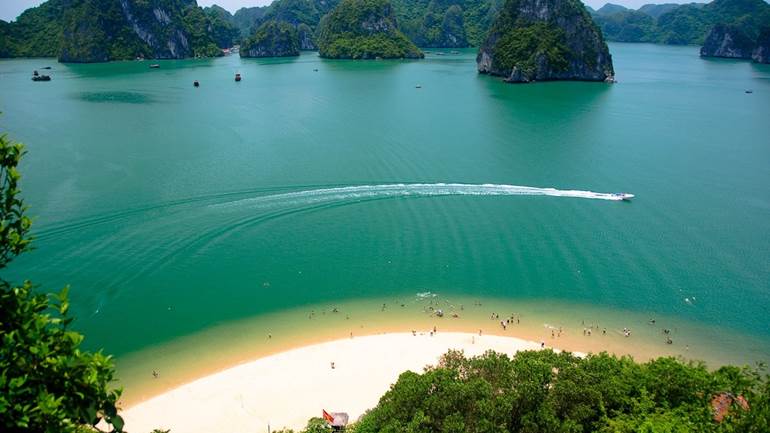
(364, 29)
(105, 30)
(545, 40)
(725, 28)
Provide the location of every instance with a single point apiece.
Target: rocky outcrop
(364, 29)
(730, 41)
(538, 40)
(761, 53)
(272, 39)
(306, 38)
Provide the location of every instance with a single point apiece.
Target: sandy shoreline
(285, 389)
(223, 346)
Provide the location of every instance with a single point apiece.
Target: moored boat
(40, 77)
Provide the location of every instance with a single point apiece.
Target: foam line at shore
(286, 389)
(358, 192)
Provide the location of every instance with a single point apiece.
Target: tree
(47, 384)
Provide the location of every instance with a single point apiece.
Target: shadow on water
(536, 103)
(115, 97)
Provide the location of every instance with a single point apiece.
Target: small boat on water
(749, 91)
(46, 67)
(237, 77)
(196, 83)
(154, 66)
(419, 86)
(40, 77)
(622, 196)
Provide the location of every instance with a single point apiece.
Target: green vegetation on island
(446, 23)
(272, 39)
(103, 30)
(545, 40)
(547, 392)
(680, 24)
(364, 29)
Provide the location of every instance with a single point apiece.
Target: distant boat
(196, 83)
(749, 91)
(237, 77)
(315, 70)
(418, 86)
(622, 196)
(454, 52)
(38, 77)
(154, 66)
(46, 67)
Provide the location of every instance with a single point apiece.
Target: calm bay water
(171, 209)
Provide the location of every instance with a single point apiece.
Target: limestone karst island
(365, 216)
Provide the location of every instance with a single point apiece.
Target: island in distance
(542, 40)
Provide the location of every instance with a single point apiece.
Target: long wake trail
(356, 192)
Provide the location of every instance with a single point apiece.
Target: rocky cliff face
(761, 53)
(536, 40)
(272, 39)
(729, 41)
(364, 29)
(306, 37)
(103, 30)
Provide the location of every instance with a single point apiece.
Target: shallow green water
(171, 209)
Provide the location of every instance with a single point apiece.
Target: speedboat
(622, 196)
(155, 66)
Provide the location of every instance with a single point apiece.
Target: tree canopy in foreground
(549, 392)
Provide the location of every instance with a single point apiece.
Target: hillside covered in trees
(546, 392)
(103, 30)
(680, 24)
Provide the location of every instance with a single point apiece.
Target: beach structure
(337, 420)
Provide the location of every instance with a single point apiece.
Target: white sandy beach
(286, 389)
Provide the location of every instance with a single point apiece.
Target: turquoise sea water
(172, 209)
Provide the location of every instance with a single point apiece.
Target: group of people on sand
(505, 322)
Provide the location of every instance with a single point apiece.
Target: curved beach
(288, 388)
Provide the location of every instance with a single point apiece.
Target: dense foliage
(543, 391)
(272, 39)
(524, 47)
(364, 29)
(102, 30)
(685, 24)
(545, 40)
(246, 20)
(47, 384)
(221, 26)
(446, 23)
(36, 32)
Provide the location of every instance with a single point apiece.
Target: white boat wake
(347, 193)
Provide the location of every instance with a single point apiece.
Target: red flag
(328, 417)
